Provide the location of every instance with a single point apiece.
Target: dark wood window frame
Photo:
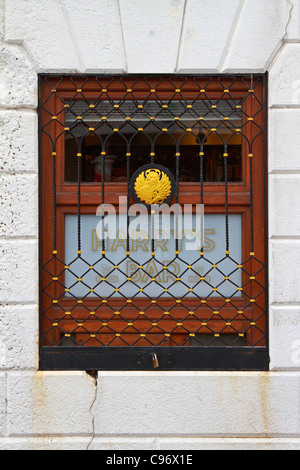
(242, 199)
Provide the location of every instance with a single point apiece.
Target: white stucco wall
(146, 410)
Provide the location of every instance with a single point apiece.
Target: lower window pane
(164, 276)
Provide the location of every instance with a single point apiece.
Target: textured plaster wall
(146, 410)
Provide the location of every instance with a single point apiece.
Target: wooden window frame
(239, 198)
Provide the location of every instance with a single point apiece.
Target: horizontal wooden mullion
(92, 199)
(200, 315)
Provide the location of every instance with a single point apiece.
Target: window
(111, 300)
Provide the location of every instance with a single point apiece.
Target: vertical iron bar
(128, 155)
(177, 197)
(251, 206)
(152, 216)
(201, 185)
(152, 212)
(103, 155)
(79, 157)
(54, 201)
(226, 198)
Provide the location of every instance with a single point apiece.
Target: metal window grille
(209, 131)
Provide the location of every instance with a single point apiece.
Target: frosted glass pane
(140, 254)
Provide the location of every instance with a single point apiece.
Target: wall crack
(292, 7)
(94, 375)
(284, 38)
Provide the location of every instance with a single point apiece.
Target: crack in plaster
(292, 7)
(94, 376)
(284, 39)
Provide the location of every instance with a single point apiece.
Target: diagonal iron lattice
(210, 132)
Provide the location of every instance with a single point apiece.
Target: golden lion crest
(153, 186)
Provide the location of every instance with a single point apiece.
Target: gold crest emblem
(153, 186)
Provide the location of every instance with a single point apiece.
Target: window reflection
(131, 125)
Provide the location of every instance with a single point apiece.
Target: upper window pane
(153, 126)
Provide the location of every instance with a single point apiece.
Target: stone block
(19, 337)
(284, 80)
(3, 403)
(43, 30)
(49, 403)
(293, 28)
(259, 33)
(284, 140)
(98, 34)
(284, 196)
(205, 39)
(284, 280)
(187, 444)
(151, 34)
(18, 271)
(1, 19)
(18, 141)
(44, 443)
(122, 443)
(284, 337)
(18, 79)
(18, 205)
(199, 404)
